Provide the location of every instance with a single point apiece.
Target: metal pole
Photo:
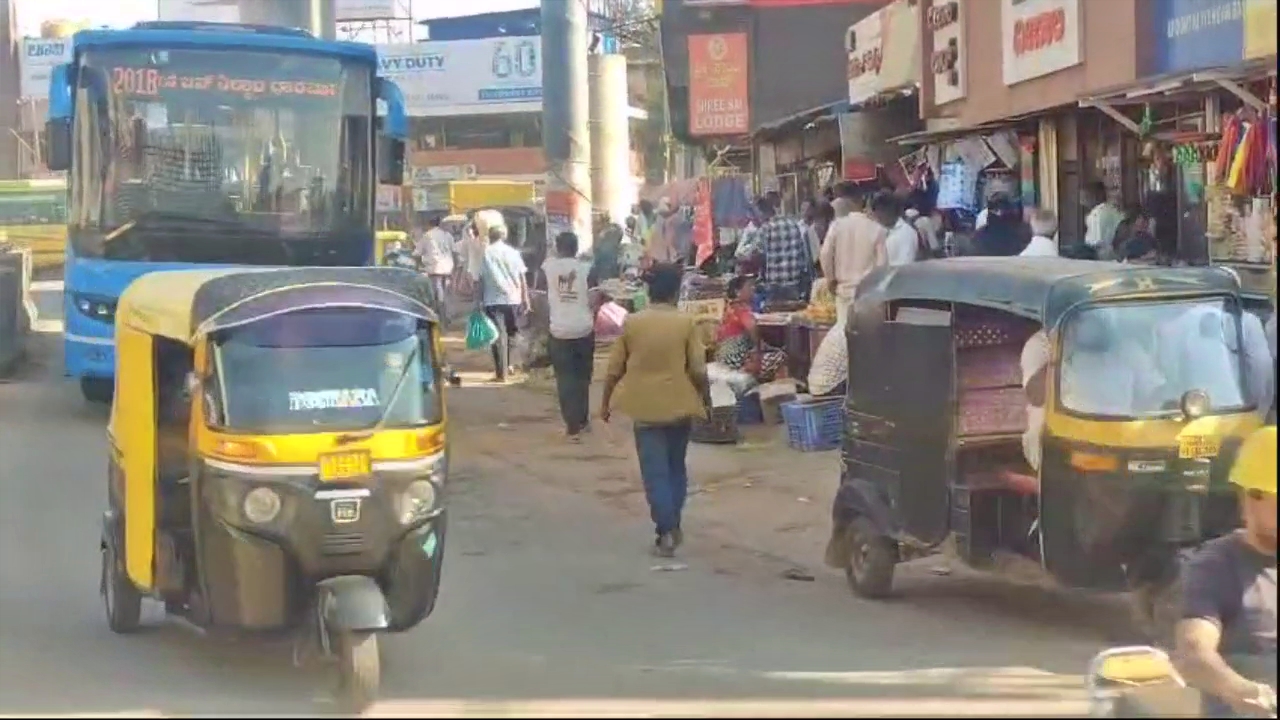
(565, 118)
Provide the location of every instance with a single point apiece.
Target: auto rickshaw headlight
(418, 499)
(261, 505)
(1195, 403)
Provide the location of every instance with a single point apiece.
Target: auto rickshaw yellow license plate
(345, 466)
(1195, 447)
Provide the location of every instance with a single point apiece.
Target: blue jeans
(662, 450)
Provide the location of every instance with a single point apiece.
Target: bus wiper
(153, 218)
(370, 430)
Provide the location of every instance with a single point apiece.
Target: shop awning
(805, 116)
(1181, 85)
(928, 137)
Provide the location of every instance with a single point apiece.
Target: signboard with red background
(719, 85)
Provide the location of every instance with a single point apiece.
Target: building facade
(1014, 70)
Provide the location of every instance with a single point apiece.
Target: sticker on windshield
(327, 399)
(395, 361)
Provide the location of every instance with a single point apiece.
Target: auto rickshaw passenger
(1226, 640)
(1200, 347)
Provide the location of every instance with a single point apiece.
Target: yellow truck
(33, 214)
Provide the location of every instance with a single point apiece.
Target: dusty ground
(550, 603)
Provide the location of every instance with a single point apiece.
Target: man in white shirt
(1044, 227)
(1103, 220)
(902, 245)
(572, 342)
(1035, 366)
(854, 246)
(435, 250)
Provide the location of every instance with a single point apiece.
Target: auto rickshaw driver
(1226, 640)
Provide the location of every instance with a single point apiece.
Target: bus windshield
(33, 208)
(214, 155)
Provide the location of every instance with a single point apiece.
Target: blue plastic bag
(481, 331)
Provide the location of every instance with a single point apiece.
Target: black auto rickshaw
(278, 457)
(934, 456)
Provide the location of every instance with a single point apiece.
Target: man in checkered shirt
(788, 263)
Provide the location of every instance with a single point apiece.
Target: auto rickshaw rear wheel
(872, 559)
(359, 668)
(121, 599)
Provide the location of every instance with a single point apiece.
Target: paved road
(550, 606)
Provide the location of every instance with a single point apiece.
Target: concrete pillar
(612, 185)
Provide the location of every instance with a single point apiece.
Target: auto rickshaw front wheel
(98, 391)
(121, 599)
(872, 559)
(359, 668)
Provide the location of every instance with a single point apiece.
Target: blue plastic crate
(749, 410)
(814, 426)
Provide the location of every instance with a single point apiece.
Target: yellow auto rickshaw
(278, 457)
(1142, 407)
(387, 241)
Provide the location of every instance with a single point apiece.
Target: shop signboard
(489, 76)
(944, 23)
(198, 10)
(883, 51)
(1039, 37)
(356, 10)
(1259, 28)
(39, 57)
(719, 85)
(1198, 34)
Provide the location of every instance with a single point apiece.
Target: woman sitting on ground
(738, 344)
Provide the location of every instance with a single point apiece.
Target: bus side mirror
(58, 123)
(393, 130)
(390, 160)
(57, 134)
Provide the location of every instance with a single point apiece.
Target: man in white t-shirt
(572, 343)
(435, 248)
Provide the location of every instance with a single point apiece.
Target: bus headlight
(261, 505)
(100, 309)
(417, 501)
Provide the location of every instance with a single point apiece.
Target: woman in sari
(738, 344)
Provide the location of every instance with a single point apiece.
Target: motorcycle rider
(1225, 644)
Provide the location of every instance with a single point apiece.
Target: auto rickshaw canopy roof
(183, 305)
(1043, 289)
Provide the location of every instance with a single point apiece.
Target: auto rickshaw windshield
(1138, 360)
(324, 369)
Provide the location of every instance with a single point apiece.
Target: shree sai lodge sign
(1039, 37)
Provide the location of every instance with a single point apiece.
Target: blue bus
(198, 144)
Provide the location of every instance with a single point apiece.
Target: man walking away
(504, 294)
(854, 246)
(659, 370)
(572, 343)
(435, 250)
